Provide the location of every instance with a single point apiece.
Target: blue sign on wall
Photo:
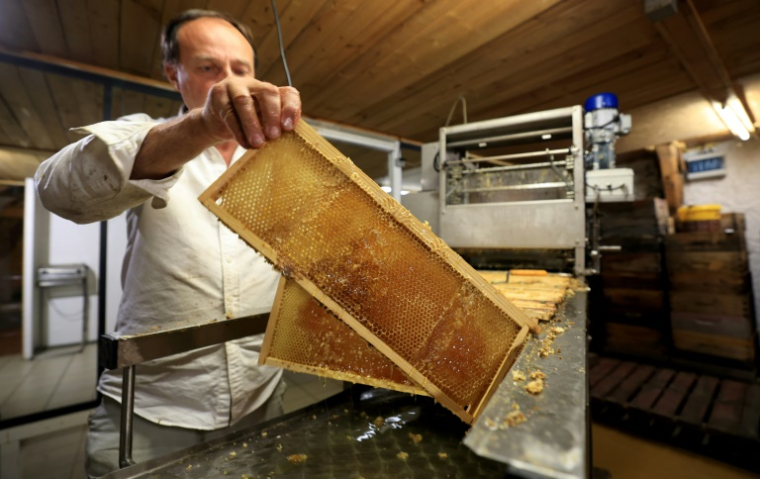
(705, 167)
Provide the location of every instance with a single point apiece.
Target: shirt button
(230, 298)
(229, 260)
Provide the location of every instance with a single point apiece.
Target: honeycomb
(303, 336)
(328, 226)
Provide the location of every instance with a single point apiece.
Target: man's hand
(246, 110)
(250, 111)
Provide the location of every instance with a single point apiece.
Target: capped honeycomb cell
(322, 222)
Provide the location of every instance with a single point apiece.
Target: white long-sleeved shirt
(182, 267)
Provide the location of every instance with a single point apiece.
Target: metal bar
(558, 114)
(394, 173)
(552, 443)
(127, 415)
(531, 186)
(529, 166)
(124, 351)
(85, 309)
(515, 156)
(443, 175)
(483, 142)
(105, 115)
(579, 179)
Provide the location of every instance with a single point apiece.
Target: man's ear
(170, 71)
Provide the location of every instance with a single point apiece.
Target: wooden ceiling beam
(95, 71)
(688, 39)
(19, 101)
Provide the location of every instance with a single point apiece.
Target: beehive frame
(296, 313)
(343, 170)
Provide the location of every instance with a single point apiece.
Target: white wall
(117, 246)
(737, 192)
(70, 243)
(51, 240)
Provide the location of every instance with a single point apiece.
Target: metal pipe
(85, 306)
(127, 414)
(530, 166)
(532, 186)
(483, 142)
(515, 156)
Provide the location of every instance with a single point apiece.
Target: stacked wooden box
(711, 293)
(672, 166)
(634, 286)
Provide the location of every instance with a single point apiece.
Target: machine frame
(542, 224)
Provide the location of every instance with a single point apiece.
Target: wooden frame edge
(509, 360)
(341, 376)
(274, 316)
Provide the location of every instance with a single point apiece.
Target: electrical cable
(464, 110)
(279, 37)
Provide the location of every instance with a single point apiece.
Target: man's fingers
(224, 111)
(245, 114)
(290, 100)
(268, 97)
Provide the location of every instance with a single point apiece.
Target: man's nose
(225, 72)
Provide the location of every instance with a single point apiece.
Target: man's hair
(170, 43)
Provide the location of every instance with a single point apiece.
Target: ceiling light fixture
(732, 120)
(741, 113)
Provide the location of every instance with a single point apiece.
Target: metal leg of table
(86, 314)
(127, 414)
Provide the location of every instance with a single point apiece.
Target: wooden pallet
(711, 415)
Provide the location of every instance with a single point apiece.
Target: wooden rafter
(690, 42)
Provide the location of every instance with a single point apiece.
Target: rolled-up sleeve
(88, 181)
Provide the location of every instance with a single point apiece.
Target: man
(182, 266)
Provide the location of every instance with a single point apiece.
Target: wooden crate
(713, 226)
(631, 263)
(626, 299)
(673, 187)
(706, 262)
(723, 346)
(726, 282)
(636, 340)
(711, 303)
(705, 242)
(733, 221)
(718, 324)
(632, 280)
(633, 218)
(646, 171)
(671, 168)
(670, 159)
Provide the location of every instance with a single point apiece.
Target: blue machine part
(603, 125)
(601, 100)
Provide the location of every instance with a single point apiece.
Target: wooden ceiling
(391, 66)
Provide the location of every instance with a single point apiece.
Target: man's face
(210, 50)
